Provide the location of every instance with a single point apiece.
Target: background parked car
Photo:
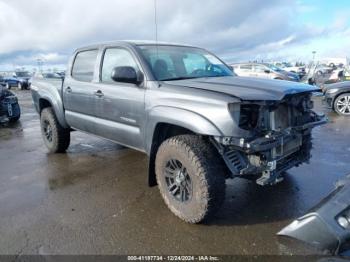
(9, 107)
(62, 73)
(339, 74)
(300, 70)
(337, 97)
(2, 81)
(319, 74)
(323, 69)
(261, 70)
(48, 75)
(19, 79)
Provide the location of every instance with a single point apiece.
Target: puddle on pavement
(7, 133)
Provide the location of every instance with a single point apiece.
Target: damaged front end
(9, 107)
(326, 226)
(278, 137)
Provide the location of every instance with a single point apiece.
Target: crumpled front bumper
(327, 226)
(268, 155)
(276, 138)
(328, 100)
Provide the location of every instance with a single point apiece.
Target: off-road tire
(60, 135)
(206, 171)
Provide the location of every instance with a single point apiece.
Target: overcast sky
(235, 30)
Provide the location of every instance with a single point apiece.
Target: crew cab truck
(185, 108)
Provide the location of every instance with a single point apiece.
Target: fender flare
(190, 120)
(56, 102)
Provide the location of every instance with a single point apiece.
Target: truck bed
(46, 85)
(47, 82)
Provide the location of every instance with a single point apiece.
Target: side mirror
(127, 74)
(267, 71)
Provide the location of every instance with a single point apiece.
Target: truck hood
(246, 88)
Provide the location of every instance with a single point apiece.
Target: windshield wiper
(218, 75)
(179, 78)
(190, 77)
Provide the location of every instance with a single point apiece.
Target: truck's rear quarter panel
(49, 91)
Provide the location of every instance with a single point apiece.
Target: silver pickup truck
(196, 120)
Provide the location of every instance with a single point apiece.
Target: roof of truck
(131, 42)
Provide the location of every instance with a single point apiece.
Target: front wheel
(190, 176)
(342, 104)
(16, 113)
(56, 137)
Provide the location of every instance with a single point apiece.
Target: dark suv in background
(9, 108)
(337, 97)
(19, 79)
(2, 81)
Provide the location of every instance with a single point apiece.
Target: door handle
(68, 89)
(98, 93)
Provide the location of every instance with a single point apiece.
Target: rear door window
(246, 68)
(84, 65)
(260, 68)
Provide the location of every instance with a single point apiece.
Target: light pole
(40, 64)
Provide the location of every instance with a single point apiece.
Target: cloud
(236, 30)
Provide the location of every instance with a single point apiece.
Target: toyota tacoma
(198, 122)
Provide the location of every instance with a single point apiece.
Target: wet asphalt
(95, 199)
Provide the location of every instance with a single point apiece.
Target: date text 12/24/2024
(173, 258)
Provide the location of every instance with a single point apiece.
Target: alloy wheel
(178, 180)
(343, 105)
(47, 131)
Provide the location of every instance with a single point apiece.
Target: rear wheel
(56, 137)
(342, 104)
(19, 86)
(190, 175)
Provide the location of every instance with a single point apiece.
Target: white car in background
(300, 70)
(323, 69)
(264, 70)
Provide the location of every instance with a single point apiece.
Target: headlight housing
(249, 116)
(332, 91)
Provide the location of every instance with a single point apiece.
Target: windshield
(274, 68)
(22, 74)
(177, 62)
(288, 65)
